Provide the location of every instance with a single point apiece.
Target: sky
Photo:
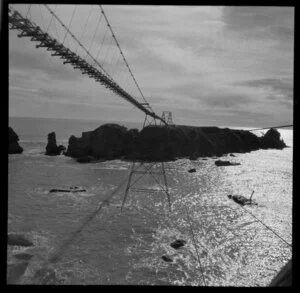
(208, 65)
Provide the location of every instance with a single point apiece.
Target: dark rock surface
(232, 155)
(67, 190)
(85, 159)
(271, 139)
(284, 278)
(52, 149)
(241, 200)
(193, 170)
(178, 243)
(225, 163)
(167, 258)
(15, 271)
(160, 143)
(18, 240)
(13, 145)
(23, 256)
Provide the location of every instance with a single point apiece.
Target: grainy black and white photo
(150, 145)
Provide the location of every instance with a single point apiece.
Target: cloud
(220, 62)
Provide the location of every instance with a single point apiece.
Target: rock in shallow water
(18, 240)
(225, 163)
(23, 256)
(178, 243)
(241, 200)
(13, 145)
(52, 149)
(167, 258)
(66, 190)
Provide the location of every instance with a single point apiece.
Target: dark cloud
(261, 22)
(283, 90)
(225, 100)
(275, 83)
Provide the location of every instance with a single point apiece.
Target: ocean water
(78, 240)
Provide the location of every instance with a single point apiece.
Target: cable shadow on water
(87, 220)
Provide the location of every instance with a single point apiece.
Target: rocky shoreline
(156, 143)
(161, 143)
(13, 145)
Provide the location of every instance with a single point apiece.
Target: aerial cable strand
(92, 43)
(269, 228)
(42, 16)
(80, 44)
(29, 7)
(56, 31)
(84, 28)
(52, 12)
(272, 127)
(100, 48)
(67, 32)
(113, 35)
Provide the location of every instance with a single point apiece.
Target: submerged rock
(225, 163)
(52, 149)
(23, 256)
(167, 258)
(242, 200)
(13, 145)
(18, 240)
(178, 243)
(193, 170)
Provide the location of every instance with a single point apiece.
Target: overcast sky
(223, 66)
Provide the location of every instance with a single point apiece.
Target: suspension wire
(29, 7)
(269, 228)
(42, 16)
(80, 44)
(100, 48)
(92, 43)
(52, 12)
(56, 31)
(116, 66)
(84, 28)
(107, 49)
(271, 127)
(195, 244)
(112, 59)
(113, 35)
(67, 31)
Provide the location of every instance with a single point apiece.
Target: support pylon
(167, 116)
(146, 168)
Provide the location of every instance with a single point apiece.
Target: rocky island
(165, 143)
(13, 145)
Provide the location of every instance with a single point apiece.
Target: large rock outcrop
(13, 145)
(160, 143)
(107, 141)
(52, 149)
(272, 140)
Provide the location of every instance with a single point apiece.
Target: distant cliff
(13, 145)
(161, 143)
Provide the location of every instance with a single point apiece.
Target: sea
(85, 238)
